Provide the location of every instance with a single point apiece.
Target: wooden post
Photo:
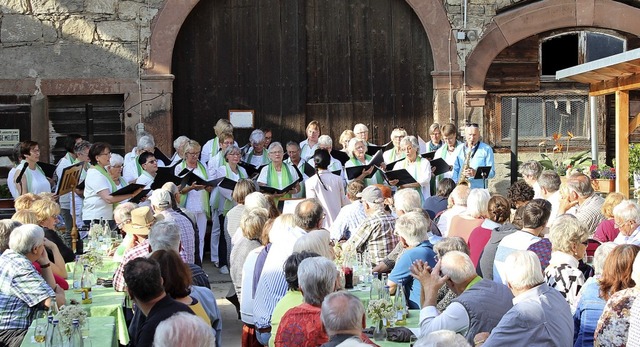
(622, 142)
(74, 228)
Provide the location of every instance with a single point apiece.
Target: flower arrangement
(377, 310)
(67, 314)
(564, 166)
(93, 259)
(603, 171)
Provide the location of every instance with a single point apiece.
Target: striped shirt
(376, 235)
(518, 241)
(187, 234)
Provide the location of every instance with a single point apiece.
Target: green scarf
(265, 157)
(138, 166)
(104, 173)
(215, 146)
(416, 172)
(272, 178)
(367, 181)
(205, 196)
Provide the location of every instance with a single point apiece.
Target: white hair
(442, 338)
(146, 142)
(180, 141)
(317, 278)
(524, 271)
(341, 311)
(460, 194)
(351, 147)
(325, 140)
(256, 136)
(410, 140)
(360, 127)
(412, 227)
(458, 266)
(407, 200)
(478, 203)
(626, 211)
(276, 145)
(184, 329)
(164, 235)
(122, 212)
(116, 159)
(255, 200)
(600, 256)
(316, 241)
(25, 238)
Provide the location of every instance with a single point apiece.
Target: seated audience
(613, 325)
(438, 202)
(342, 315)
(519, 193)
(607, 229)
(184, 329)
(350, 216)
(22, 289)
(498, 213)
(47, 212)
(161, 205)
(485, 264)
(442, 338)
(530, 172)
(569, 239)
(549, 182)
(448, 244)
(251, 227)
(480, 303)
(587, 202)
(463, 224)
(457, 205)
(144, 286)
(540, 316)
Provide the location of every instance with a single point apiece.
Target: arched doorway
(294, 61)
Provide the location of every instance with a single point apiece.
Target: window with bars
(539, 117)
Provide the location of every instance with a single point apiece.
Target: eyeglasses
(108, 153)
(619, 225)
(196, 154)
(473, 125)
(234, 154)
(228, 143)
(275, 152)
(151, 161)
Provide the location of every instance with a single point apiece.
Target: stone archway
(167, 24)
(511, 27)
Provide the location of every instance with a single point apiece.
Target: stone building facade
(54, 48)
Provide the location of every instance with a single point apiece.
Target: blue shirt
(588, 311)
(483, 156)
(402, 272)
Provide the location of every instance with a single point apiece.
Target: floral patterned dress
(613, 325)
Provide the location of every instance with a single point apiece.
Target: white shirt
(421, 172)
(65, 199)
(554, 199)
(448, 157)
(445, 218)
(226, 193)
(145, 179)
(307, 151)
(194, 197)
(94, 206)
(332, 199)
(246, 296)
(348, 220)
(264, 173)
(11, 182)
(455, 318)
(633, 239)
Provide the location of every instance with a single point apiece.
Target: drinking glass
(40, 327)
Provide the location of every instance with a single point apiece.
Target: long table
(102, 332)
(413, 321)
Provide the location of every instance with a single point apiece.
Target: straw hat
(141, 221)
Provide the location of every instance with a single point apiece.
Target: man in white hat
(141, 221)
(376, 232)
(161, 205)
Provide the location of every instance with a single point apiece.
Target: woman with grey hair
(569, 239)
(116, 163)
(357, 150)
(219, 159)
(419, 168)
(627, 219)
(477, 209)
(278, 174)
(183, 329)
(6, 227)
(412, 227)
(255, 153)
(317, 278)
(317, 241)
(132, 169)
(122, 216)
(178, 146)
(530, 172)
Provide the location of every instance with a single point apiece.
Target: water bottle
(85, 284)
(376, 286)
(75, 340)
(77, 274)
(400, 304)
(49, 334)
(56, 335)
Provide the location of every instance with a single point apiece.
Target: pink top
(606, 231)
(462, 227)
(477, 240)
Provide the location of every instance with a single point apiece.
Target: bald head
(308, 214)
(458, 266)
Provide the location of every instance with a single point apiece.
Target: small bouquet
(381, 309)
(67, 314)
(602, 172)
(92, 259)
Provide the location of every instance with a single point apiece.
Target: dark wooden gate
(293, 61)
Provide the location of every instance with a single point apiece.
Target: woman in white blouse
(309, 146)
(98, 203)
(33, 180)
(278, 174)
(419, 168)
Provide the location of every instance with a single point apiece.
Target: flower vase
(380, 332)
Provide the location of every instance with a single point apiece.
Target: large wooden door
(293, 61)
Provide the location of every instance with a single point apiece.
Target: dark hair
(616, 274)
(70, 142)
(536, 213)
(15, 154)
(322, 159)
(175, 273)
(96, 149)
(499, 209)
(308, 214)
(445, 187)
(142, 159)
(291, 267)
(26, 147)
(143, 279)
(520, 191)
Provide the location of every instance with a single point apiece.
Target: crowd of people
(550, 263)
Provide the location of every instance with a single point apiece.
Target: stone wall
(62, 39)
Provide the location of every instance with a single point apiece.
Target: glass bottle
(77, 274)
(374, 292)
(400, 304)
(85, 284)
(56, 335)
(49, 333)
(75, 340)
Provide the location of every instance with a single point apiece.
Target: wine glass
(40, 327)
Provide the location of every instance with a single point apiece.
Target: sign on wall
(9, 138)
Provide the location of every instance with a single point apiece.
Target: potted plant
(603, 178)
(634, 163)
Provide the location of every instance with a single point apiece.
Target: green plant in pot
(634, 163)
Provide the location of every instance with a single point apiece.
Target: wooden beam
(615, 84)
(622, 142)
(634, 123)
